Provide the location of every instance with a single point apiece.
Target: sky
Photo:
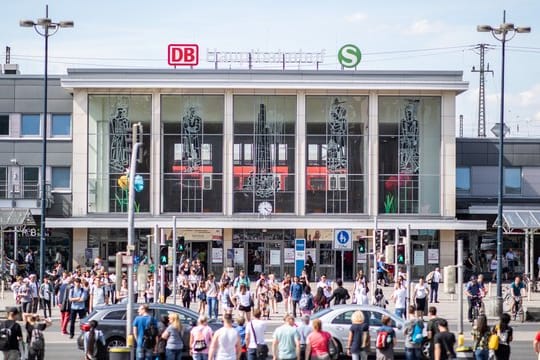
(392, 35)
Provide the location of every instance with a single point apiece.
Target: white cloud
(530, 97)
(356, 17)
(423, 26)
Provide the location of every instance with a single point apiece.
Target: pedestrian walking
(77, 297)
(296, 295)
(413, 336)
(35, 341)
(200, 339)
(420, 297)
(145, 331)
(46, 296)
(445, 342)
(358, 341)
(433, 279)
(340, 295)
(226, 342)
(93, 341)
(400, 299)
(303, 332)
(255, 330)
(432, 329)
(174, 335)
(212, 290)
(386, 340)
(481, 333)
(505, 333)
(286, 340)
(317, 343)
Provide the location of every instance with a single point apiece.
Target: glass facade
(264, 153)
(335, 154)
(192, 153)
(110, 120)
(409, 154)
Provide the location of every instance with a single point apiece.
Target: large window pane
(30, 182)
(3, 182)
(109, 151)
(463, 179)
(4, 124)
(409, 154)
(336, 154)
(264, 128)
(512, 180)
(61, 125)
(61, 178)
(192, 153)
(30, 125)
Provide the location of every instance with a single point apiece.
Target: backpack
(149, 335)
(37, 341)
(332, 348)
(305, 303)
(5, 334)
(417, 336)
(199, 341)
(384, 339)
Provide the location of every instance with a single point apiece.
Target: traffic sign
(343, 239)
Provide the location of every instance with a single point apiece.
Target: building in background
(21, 116)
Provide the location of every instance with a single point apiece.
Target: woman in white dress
(360, 289)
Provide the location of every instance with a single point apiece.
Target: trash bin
(120, 353)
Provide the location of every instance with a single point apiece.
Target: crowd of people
(245, 305)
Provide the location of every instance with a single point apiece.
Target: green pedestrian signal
(181, 244)
(362, 246)
(401, 254)
(163, 255)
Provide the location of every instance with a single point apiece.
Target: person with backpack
(200, 338)
(174, 334)
(35, 340)
(160, 349)
(505, 333)
(93, 340)
(444, 342)
(10, 335)
(414, 336)
(64, 303)
(306, 302)
(358, 342)
(241, 279)
(432, 329)
(386, 340)
(481, 333)
(145, 331)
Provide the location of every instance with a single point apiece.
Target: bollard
(120, 353)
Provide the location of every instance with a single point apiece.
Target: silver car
(337, 321)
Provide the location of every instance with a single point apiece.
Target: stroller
(379, 299)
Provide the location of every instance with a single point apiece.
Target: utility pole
(481, 90)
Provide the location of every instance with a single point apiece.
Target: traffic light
(181, 245)
(401, 254)
(362, 246)
(163, 254)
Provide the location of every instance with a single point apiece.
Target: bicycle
(517, 308)
(477, 307)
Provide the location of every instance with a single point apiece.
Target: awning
(520, 220)
(16, 217)
(270, 222)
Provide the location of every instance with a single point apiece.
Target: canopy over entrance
(16, 217)
(520, 220)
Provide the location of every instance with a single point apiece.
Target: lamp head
(66, 24)
(484, 28)
(523, 29)
(26, 23)
(507, 27)
(44, 22)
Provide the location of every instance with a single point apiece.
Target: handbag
(332, 348)
(262, 349)
(278, 296)
(200, 343)
(493, 342)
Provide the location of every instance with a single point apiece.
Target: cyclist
(517, 287)
(474, 295)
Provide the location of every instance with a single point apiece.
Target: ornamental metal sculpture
(120, 130)
(336, 158)
(191, 139)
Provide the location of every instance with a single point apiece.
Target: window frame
(40, 127)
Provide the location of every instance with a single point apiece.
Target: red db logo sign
(183, 54)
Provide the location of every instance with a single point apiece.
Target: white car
(337, 320)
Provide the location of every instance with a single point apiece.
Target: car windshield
(318, 314)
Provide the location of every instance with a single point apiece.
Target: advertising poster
(239, 256)
(275, 257)
(217, 255)
(419, 258)
(288, 256)
(433, 256)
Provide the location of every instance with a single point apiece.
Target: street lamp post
(503, 33)
(45, 27)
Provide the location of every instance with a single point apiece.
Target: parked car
(337, 321)
(112, 322)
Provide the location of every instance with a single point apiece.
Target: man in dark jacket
(11, 350)
(340, 294)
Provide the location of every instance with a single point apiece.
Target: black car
(112, 322)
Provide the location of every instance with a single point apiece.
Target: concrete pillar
(80, 243)
(447, 248)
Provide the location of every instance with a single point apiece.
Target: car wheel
(425, 349)
(116, 342)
